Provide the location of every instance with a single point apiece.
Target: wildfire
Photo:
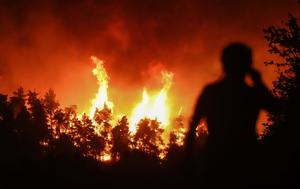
(101, 98)
(153, 107)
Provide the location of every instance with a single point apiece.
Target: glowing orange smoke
(155, 106)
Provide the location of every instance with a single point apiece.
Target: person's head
(236, 60)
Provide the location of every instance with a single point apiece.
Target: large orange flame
(101, 98)
(153, 107)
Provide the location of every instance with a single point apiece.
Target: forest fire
(133, 94)
(153, 107)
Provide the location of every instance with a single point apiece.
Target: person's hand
(255, 76)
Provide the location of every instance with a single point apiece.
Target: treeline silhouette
(280, 141)
(41, 141)
(45, 145)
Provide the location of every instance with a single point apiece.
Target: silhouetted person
(230, 108)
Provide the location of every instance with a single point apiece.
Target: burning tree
(146, 125)
(148, 137)
(51, 105)
(103, 129)
(121, 138)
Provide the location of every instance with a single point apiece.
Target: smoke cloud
(49, 43)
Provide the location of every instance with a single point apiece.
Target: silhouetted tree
(17, 106)
(148, 137)
(69, 116)
(121, 138)
(281, 135)
(285, 43)
(63, 147)
(59, 120)
(175, 146)
(104, 128)
(20, 124)
(103, 115)
(50, 105)
(38, 117)
(177, 133)
(84, 131)
(3, 108)
(97, 145)
(9, 136)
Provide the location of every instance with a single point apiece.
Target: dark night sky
(49, 43)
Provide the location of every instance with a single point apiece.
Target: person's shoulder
(216, 85)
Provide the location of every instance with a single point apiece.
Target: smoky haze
(49, 43)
